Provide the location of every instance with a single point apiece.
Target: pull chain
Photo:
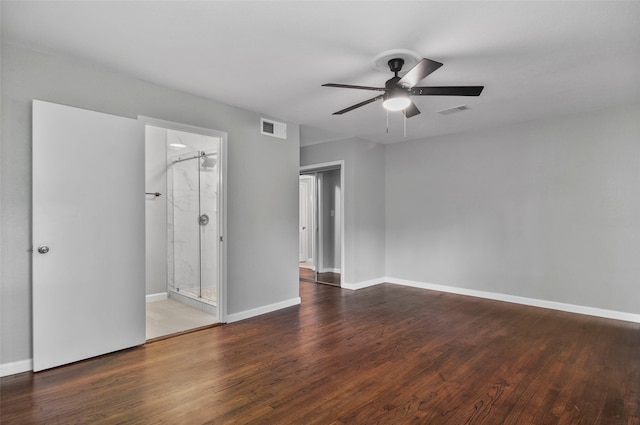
(387, 121)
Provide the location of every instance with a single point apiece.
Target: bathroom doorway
(321, 243)
(185, 175)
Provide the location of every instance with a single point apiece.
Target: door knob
(43, 249)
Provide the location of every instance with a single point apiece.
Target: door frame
(326, 166)
(221, 302)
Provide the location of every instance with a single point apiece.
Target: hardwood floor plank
(381, 355)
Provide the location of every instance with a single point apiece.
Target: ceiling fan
(397, 90)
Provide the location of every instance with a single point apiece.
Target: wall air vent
(453, 110)
(273, 128)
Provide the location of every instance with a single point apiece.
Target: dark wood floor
(381, 355)
(307, 274)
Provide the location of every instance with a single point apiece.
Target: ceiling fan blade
(418, 72)
(351, 108)
(447, 91)
(347, 86)
(411, 110)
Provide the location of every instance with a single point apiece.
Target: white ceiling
(535, 59)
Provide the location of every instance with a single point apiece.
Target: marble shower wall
(183, 213)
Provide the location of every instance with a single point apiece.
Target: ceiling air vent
(453, 110)
(273, 128)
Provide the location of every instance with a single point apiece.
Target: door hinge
(221, 238)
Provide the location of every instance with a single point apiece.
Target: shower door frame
(221, 302)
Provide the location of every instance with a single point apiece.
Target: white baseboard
(12, 368)
(246, 314)
(364, 284)
(156, 297)
(330, 270)
(571, 308)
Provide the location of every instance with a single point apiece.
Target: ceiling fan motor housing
(395, 65)
(392, 87)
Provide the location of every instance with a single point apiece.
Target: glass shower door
(193, 221)
(185, 200)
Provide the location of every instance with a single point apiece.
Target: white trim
(172, 125)
(156, 297)
(571, 308)
(364, 284)
(12, 368)
(221, 302)
(318, 220)
(343, 231)
(331, 165)
(246, 314)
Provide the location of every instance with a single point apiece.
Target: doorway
(321, 224)
(185, 226)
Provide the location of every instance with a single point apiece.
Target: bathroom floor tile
(165, 317)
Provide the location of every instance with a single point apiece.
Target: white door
(88, 234)
(304, 221)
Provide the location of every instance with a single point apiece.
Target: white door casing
(88, 209)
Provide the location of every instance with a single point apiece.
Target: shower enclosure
(193, 225)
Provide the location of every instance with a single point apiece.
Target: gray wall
(262, 171)
(548, 210)
(364, 203)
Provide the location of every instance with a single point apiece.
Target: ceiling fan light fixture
(396, 100)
